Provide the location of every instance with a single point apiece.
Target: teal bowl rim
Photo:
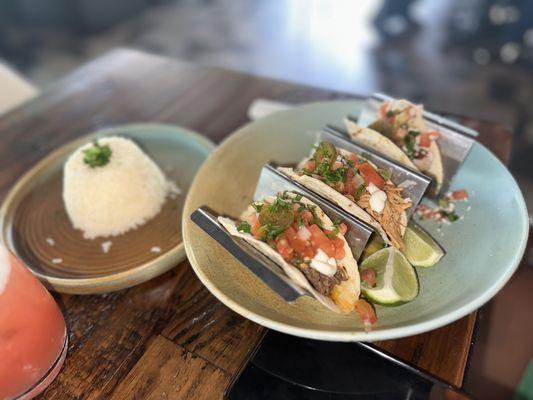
(358, 335)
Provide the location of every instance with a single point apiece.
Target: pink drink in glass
(33, 339)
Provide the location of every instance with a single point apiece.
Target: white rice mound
(111, 199)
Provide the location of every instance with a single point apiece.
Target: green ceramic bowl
(483, 249)
(33, 213)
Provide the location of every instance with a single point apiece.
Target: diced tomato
(434, 135)
(283, 247)
(353, 158)
(290, 233)
(425, 140)
(383, 108)
(251, 218)
(320, 240)
(306, 215)
(309, 252)
(255, 230)
(338, 243)
(310, 165)
(427, 137)
(366, 313)
(458, 195)
(368, 276)
(343, 228)
(425, 212)
(348, 183)
(336, 165)
(294, 241)
(371, 175)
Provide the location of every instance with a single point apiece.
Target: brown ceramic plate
(35, 226)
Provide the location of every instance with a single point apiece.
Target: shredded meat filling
(322, 283)
(391, 216)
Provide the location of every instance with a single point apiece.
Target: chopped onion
(303, 233)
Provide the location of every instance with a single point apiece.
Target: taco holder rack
(262, 266)
(415, 183)
(455, 142)
(271, 182)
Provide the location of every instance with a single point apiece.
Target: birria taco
(358, 186)
(310, 248)
(401, 133)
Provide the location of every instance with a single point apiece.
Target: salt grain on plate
(57, 260)
(106, 246)
(50, 241)
(173, 189)
(155, 249)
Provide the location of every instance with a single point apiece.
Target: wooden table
(170, 338)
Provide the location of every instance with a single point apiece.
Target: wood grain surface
(169, 337)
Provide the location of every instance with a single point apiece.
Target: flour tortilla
(436, 170)
(384, 145)
(339, 199)
(378, 142)
(346, 293)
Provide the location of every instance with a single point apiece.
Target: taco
(311, 249)
(401, 133)
(358, 186)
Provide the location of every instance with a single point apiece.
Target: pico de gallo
(295, 230)
(403, 123)
(444, 211)
(355, 177)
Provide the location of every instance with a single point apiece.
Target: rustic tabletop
(170, 338)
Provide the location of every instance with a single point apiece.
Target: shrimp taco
(358, 186)
(401, 133)
(310, 248)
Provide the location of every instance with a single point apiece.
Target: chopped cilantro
(336, 176)
(299, 221)
(298, 197)
(450, 215)
(270, 232)
(386, 174)
(257, 206)
(279, 205)
(97, 156)
(244, 227)
(365, 156)
(443, 203)
(360, 191)
(410, 143)
(316, 221)
(390, 114)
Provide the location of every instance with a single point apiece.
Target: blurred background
(469, 57)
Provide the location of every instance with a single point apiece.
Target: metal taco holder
(262, 266)
(271, 182)
(455, 142)
(413, 182)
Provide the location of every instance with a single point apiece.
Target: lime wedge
(396, 280)
(374, 244)
(421, 249)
